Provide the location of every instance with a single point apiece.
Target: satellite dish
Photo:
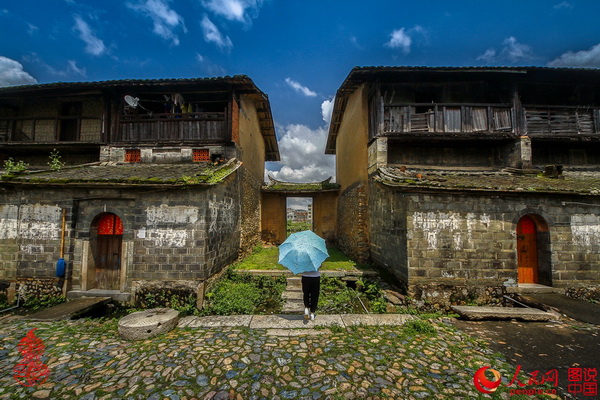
(132, 101)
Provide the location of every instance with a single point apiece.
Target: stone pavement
(253, 359)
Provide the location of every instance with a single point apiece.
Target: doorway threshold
(531, 288)
(115, 295)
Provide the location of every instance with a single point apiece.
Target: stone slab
(297, 332)
(215, 321)
(531, 288)
(577, 309)
(69, 309)
(293, 321)
(482, 313)
(292, 295)
(353, 273)
(115, 295)
(375, 319)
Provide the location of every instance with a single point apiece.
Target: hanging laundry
(178, 99)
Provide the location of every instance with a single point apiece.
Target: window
(133, 155)
(200, 155)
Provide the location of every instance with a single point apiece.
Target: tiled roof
(236, 79)
(130, 174)
(291, 187)
(490, 181)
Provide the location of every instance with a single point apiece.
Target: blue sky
(296, 51)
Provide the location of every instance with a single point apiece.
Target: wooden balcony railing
(561, 121)
(447, 118)
(201, 126)
(51, 129)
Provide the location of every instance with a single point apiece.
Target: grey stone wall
(470, 239)
(164, 155)
(387, 213)
(250, 207)
(169, 234)
(352, 230)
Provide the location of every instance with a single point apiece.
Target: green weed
(419, 327)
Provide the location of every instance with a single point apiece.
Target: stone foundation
(445, 295)
(151, 294)
(36, 287)
(584, 293)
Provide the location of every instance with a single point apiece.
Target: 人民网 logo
(483, 384)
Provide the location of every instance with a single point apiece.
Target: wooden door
(108, 252)
(527, 250)
(69, 124)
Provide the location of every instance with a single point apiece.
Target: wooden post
(62, 249)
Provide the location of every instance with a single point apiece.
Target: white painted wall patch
(585, 229)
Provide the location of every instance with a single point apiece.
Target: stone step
(115, 295)
(292, 295)
(476, 313)
(532, 288)
(293, 306)
(294, 281)
(69, 309)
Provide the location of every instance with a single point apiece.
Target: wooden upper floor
(133, 112)
(417, 103)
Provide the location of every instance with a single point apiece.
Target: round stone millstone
(148, 323)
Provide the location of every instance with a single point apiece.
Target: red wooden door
(527, 251)
(108, 260)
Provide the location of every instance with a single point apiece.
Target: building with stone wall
(466, 182)
(160, 187)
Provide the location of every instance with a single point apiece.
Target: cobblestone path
(88, 360)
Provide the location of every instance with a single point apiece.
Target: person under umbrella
(311, 287)
(304, 252)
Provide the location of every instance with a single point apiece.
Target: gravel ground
(88, 360)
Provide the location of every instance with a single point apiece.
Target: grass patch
(419, 327)
(240, 294)
(266, 258)
(337, 298)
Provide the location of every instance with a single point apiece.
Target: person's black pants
(310, 288)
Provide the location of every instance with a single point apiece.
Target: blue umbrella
(303, 251)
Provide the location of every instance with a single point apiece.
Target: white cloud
(94, 45)
(563, 5)
(299, 88)
(403, 38)
(515, 51)
(400, 40)
(488, 56)
(165, 19)
(327, 110)
(31, 29)
(208, 67)
(303, 155)
(235, 10)
(355, 43)
(512, 51)
(70, 70)
(212, 34)
(583, 58)
(12, 73)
